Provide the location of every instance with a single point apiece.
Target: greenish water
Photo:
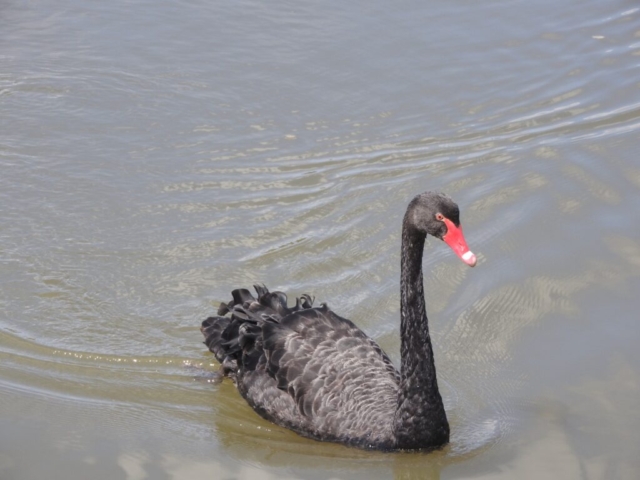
(155, 155)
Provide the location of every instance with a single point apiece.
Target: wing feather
(306, 368)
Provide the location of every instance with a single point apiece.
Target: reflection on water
(155, 158)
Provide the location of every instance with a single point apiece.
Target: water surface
(155, 155)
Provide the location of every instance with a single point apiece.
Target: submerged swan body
(307, 369)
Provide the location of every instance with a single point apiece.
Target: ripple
(145, 175)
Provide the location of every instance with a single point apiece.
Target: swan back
(308, 369)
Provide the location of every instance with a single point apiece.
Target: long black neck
(420, 420)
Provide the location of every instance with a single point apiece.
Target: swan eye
(439, 216)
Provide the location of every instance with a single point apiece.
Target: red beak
(455, 239)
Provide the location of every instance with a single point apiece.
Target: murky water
(155, 155)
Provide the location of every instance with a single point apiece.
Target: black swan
(309, 370)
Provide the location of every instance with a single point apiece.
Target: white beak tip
(469, 258)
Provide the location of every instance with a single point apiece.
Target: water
(155, 155)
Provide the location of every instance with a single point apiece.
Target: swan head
(436, 214)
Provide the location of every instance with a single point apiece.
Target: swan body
(308, 369)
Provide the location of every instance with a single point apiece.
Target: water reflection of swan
(309, 370)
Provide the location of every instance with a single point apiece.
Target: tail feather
(237, 339)
(213, 329)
